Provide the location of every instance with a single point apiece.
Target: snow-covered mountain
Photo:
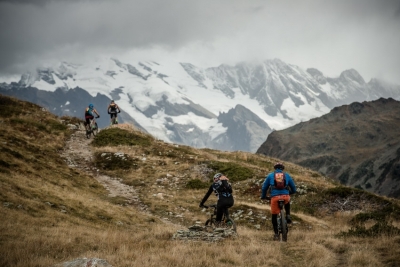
(225, 107)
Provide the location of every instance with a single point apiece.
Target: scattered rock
(204, 233)
(93, 262)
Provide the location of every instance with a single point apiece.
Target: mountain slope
(357, 144)
(56, 209)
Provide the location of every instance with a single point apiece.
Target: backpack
(219, 189)
(279, 180)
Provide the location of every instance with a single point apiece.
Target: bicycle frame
(91, 128)
(226, 220)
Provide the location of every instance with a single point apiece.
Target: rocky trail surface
(78, 154)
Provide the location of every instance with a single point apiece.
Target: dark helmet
(279, 165)
(112, 101)
(217, 176)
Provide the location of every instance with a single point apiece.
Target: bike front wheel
(95, 130)
(210, 222)
(88, 131)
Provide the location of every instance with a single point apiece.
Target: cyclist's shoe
(288, 219)
(276, 237)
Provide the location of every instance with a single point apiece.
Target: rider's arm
(95, 111)
(210, 190)
(265, 187)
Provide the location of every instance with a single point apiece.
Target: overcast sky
(331, 36)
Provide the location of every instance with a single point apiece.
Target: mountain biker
(223, 190)
(89, 114)
(278, 192)
(112, 110)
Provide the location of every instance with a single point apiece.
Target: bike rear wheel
(230, 224)
(88, 131)
(283, 224)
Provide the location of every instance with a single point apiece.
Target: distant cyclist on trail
(282, 186)
(112, 110)
(223, 190)
(89, 114)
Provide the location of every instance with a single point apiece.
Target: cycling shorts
(112, 115)
(275, 205)
(88, 118)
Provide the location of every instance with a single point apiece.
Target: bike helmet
(279, 165)
(112, 101)
(91, 106)
(217, 176)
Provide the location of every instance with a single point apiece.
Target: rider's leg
(287, 209)
(220, 211)
(223, 204)
(275, 211)
(87, 125)
(274, 220)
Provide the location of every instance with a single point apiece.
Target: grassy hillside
(52, 212)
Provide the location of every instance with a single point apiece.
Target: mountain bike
(92, 128)
(226, 221)
(114, 119)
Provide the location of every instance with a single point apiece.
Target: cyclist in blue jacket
(282, 186)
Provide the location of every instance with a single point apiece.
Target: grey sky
(330, 35)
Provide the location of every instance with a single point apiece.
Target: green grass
(120, 137)
(233, 171)
(197, 184)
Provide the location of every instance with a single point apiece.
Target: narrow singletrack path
(78, 154)
(309, 219)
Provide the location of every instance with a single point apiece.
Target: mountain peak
(352, 75)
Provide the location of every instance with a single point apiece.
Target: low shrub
(380, 228)
(197, 184)
(116, 137)
(233, 171)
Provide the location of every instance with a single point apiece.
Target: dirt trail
(78, 154)
(310, 219)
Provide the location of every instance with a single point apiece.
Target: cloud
(329, 35)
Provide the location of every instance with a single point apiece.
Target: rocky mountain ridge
(181, 103)
(356, 144)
